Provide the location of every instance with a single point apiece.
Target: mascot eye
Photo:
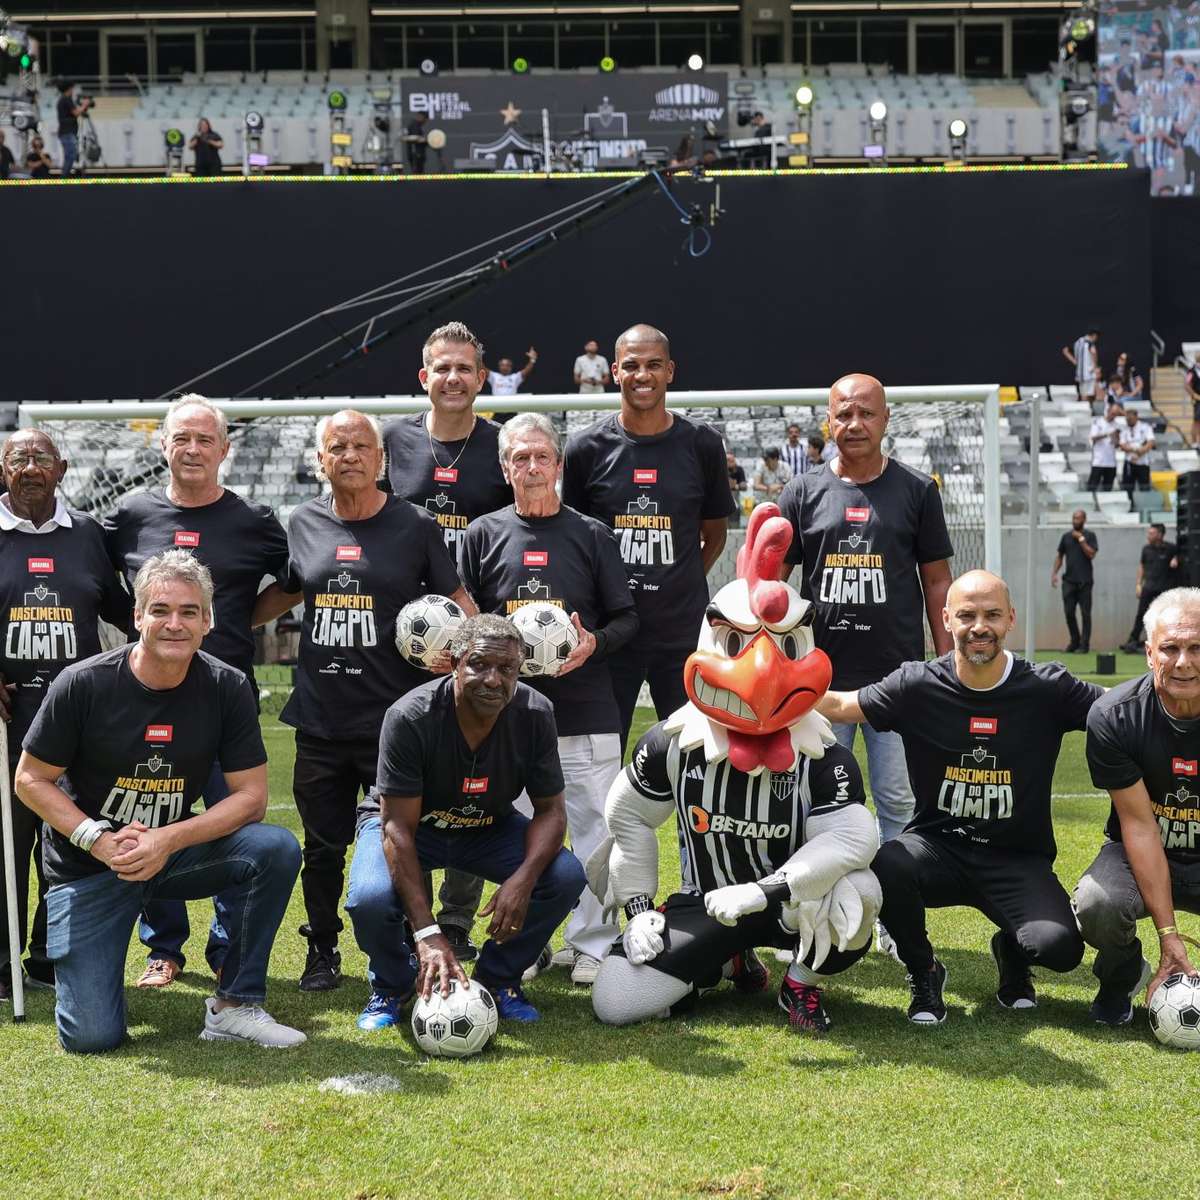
(789, 646)
(731, 641)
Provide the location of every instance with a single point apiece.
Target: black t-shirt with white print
(422, 752)
(240, 543)
(859, 546)
(739, 828)
(132, 753)
(569, 560)
(54, 587)
(653, 492)
(356, 576)
(1131, 737)
(455, 481)
(981, 763)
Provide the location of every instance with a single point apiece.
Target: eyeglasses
(16, 459)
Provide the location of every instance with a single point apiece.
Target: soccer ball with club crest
(1175, 1012)
(425, 627)
(457, 1024)
(549, 636)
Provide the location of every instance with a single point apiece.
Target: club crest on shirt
(343, 615)
(978, 788)
(41, 596)
(643, 536)
(856, 544)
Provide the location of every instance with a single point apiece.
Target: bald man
(981, 730)
(660, 482)
(870, 538)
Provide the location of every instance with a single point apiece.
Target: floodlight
(608, 64)
(958, 128)
(435, 139)
(173, 138)
(695, 62)
(428, 67)
(337, 100)
(520, 65)
(254, 121)
(804, 95)
(878, 111)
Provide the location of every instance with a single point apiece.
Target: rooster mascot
(775, 835)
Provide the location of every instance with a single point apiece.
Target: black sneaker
(748, 973)
(1016, 983)
(802, 1003)
(39, 975)
(459, 938)
(322, 969)
(927, 1006)
(1114, 1006)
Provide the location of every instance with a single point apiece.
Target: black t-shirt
(7, 162)
(859, 546)
(422, 752)
(356, 576)
(68, 122)
(131, 753)
(508, 561)
(457, 494)
(653, 493)
(208, 157)
(739, 828)
(737, 475)
(36, 166)
(1077, 565)
(981, 762)
(239, 543)
(1130, 737)
(53, 588)
(1157, 575)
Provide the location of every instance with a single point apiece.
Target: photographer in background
(206, 144)
(69, 112)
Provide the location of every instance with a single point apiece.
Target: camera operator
(69, 111)
(206, 144)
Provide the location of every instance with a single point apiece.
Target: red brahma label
(985, 724)
(41, 566)
(187, 537)
(159, 733)
(445, 474)
(1184, 766)
(536, 558)
(349, 553)
(858, 515)
(645, 475)
(473, 786)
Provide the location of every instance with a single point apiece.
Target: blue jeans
(70, 150)
(90, 920)
(494, 853)
(887, 771)
(164, 925)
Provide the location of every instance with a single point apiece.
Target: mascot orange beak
(760, 691)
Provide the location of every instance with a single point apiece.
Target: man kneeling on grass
(113, 763)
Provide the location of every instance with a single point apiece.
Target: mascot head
(755, 675)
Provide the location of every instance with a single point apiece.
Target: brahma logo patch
(159, 733)
(41, 566)
(445, 474)
(858, 515)
(1184, 766)
(985, 725)
(536, 558)
(472, 787)
(645, 475)
(349, 553)
(187, 537)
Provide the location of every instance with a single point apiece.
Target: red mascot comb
(768, 537)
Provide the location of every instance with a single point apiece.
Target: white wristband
(87, 833)
(429, 931)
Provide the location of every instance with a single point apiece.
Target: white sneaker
(247, 1023)
(585, 970)
(541, 963)
(884, 942)
(564, 957)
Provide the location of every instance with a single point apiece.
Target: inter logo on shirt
(349, 553)
(41, 566)
(985, 725)
(472, 787)
(858, 515)
(445, 474)
(645, 474)
(187, 537)
(536, 558)
(159, 733)
(1184, 766)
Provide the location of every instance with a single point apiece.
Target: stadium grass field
(724, 1103)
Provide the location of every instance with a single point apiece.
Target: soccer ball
(455, 1025)
(425, 627)
(1175, 1012)
(549, 637)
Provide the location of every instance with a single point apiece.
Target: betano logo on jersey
(41, 629)
(852, 574)
(153, 794)
(703, 821)
(977, 789)
(342, 614)
(1178, 817)
(643, 536)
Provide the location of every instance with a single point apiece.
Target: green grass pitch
(724, 1103)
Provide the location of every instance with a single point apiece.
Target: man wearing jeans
(68, 124)
(113, 763)
(453, 756)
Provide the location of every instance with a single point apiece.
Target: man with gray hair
(538, 550)
(1143, 748)
(241, 544)
(114, 763)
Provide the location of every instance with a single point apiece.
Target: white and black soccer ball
(425, 627)
(549, 636)
(456, 1025)
(1175, 1012)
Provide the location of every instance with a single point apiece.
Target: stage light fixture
(337, 100)
(428, 67)
(957, 128)
(695, 62)
(877, 111)
(608, 64)
(173, 138)
(1082, 28)
(804, 96)
(435, 139)
(520, 65)
(253, 120)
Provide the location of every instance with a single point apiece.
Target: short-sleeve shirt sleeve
(933, 538)
(1111, 765)
(718, 502)
(544, 777)
(56, 730)
(242, 746)
(401, 768)
(883, 702)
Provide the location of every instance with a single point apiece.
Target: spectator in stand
(37, 161)
(1137, 440)
(737, 485)
(417, 143)
(7, 162)
(794, 451)
(1191, 385)
(1114, 392)
(1130, 377)
(207, 146)
(1155, 575)
(1105, 434)
(591, 369)
(504, 381)
(771, 478)
(1078, 546)
(1084, 357)
(69, 113)
(816, 456)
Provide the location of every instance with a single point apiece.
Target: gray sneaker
(247, 1023)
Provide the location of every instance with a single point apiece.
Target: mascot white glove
(642, 938)
(729, 904)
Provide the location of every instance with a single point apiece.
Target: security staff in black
(1157, 567)
(1077, 547)
(982, 730)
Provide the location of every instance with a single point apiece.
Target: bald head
(855, 386)
(974, 584)
(643, 335)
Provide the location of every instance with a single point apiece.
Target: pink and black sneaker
(802, 1003)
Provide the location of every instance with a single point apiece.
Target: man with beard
(982, 730)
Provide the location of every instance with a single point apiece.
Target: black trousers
(1078, 594)
(1144, 601)
(1100, 479)
(27, 847)
(326, 782)
(1136, 475)
(633, 666)
(1019, 892)
(697, 946)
